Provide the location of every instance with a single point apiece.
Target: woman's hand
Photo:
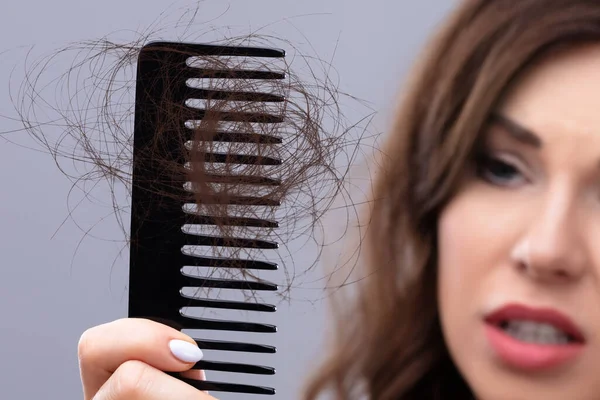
(124, 360)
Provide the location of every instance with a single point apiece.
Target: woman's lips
(532, 356)
(542, 315)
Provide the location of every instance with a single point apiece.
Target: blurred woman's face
(519, 246)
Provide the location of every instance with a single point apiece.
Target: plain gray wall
(50, 289)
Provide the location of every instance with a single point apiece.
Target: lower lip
(530, 356)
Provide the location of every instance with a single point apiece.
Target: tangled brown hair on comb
(314, 141)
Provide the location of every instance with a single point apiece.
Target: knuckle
(132, 380)
(88, 347)
(85, 346)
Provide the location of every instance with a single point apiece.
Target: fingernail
(185, 351)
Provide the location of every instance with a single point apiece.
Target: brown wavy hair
(387, 342)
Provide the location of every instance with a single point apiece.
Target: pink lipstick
(514, 350)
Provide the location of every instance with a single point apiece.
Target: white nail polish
(185, 351)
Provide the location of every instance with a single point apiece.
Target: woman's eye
(497, 171)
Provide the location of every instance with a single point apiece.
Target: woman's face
(519, 246)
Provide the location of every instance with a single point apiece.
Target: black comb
(160, 194)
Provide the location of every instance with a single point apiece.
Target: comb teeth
(221, 262)
(231, 95)
(228, 387)
(237, 200)
(235, 346)
(240, 159)
(162, 251)
(229, 284)
(230, 305)
(234, 221)
(239, 137)
(204, 73)
(233, 116)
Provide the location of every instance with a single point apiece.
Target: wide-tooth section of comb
(160, 257)
(234, 221)
(230, 305)
(235, 346)
(221, 262)
(237, 200)
(231, 96)
(240, 137)
(228, 387)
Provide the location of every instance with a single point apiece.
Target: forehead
(559, 93)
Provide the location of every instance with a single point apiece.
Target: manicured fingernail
(185, 351)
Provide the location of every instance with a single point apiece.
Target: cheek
(454, 271)
(476, 232)
(458, 251)
(465, 259)
(474, 238)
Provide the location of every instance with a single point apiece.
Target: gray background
(51, 290)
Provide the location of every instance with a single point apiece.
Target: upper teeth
(535, 332)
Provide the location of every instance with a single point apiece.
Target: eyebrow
(517, 131)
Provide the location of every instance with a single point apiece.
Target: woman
(483, 257)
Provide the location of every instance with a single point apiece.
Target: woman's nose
(553, 247)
